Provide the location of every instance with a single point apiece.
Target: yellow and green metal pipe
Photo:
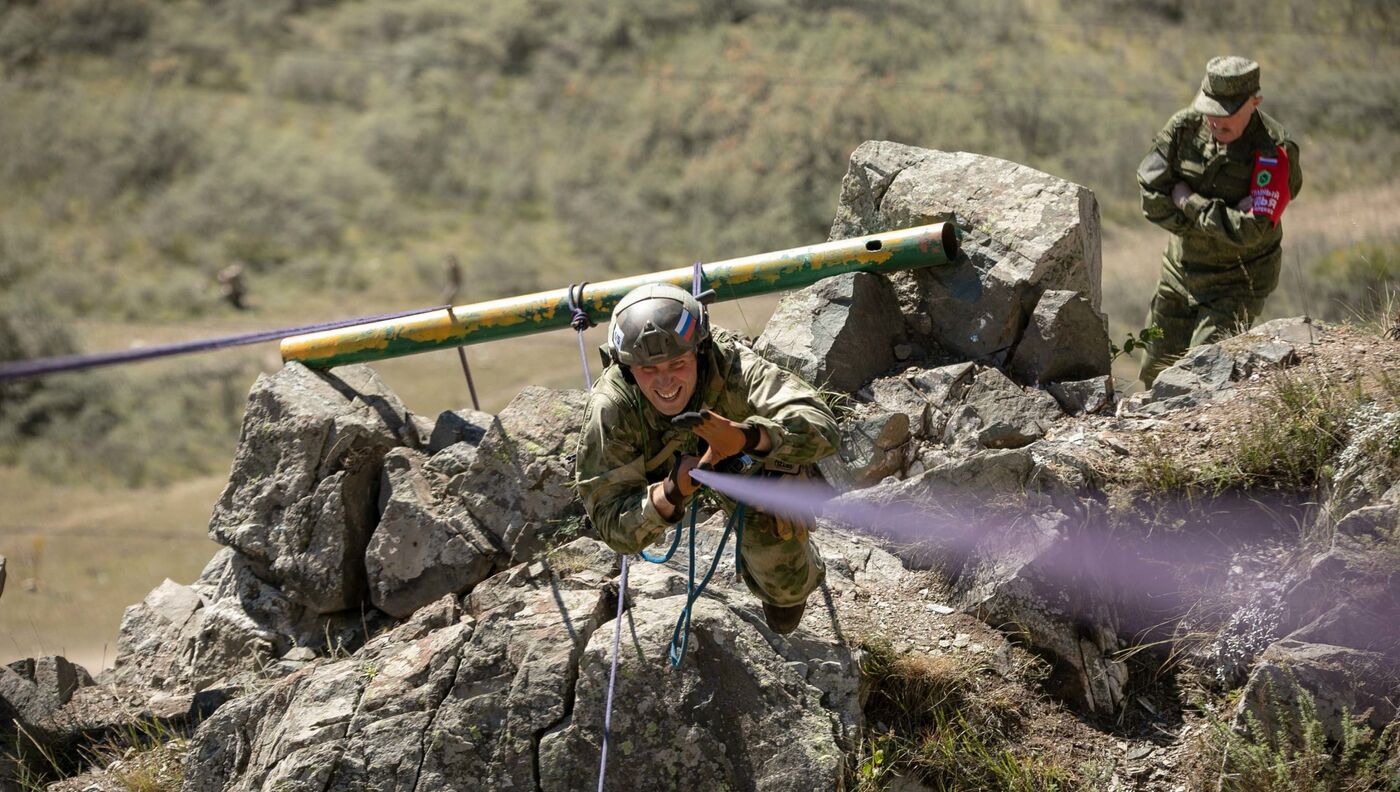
(442, 328)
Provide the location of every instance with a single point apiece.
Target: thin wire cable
(23, 369)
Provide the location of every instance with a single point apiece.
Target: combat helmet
(655, 323)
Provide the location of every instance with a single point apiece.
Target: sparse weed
(946, 723)
(1303, 424)
(1292, 753)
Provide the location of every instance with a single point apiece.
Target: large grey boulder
(426, 545)
(836, 333)
(519, 486)
(1066, 340)
(506, 689)
(998, 413)
(872, 447)
(1025, 232)
(300, 502)
(362, 720)
(228, 625)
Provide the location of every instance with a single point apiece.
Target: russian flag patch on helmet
(685, 328)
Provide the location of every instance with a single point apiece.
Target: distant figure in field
(231, 286)
(1218, 177)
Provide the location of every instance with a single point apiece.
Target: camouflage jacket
(626, 445)
(1210, 231)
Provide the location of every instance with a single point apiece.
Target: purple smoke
(1159, 572)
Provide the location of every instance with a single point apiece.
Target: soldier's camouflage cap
(1230, 81)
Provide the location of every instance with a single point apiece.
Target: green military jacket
(1210, 231)
(625, 444)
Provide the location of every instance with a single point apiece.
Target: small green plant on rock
(1292, 753)
(1142, 340)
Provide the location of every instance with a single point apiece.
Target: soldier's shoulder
(612, 396)
(1183, 120)
(1275, 130)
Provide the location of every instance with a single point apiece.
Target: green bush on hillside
(268, 202)
(1359, 280)
(29, 33)
(80, 147)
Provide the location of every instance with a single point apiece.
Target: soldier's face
(669, 385)
(1227, 129)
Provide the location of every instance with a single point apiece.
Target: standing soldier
(1215, 179)
(634, 461)
(231, 286)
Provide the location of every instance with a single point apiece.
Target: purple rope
(580, 321)
(612, 675)
(54, 365)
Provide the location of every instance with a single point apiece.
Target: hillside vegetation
(340, 150)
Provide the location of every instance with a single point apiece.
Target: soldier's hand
(725, 437)
(1180, 193)
(1246, 204)
(668, 494)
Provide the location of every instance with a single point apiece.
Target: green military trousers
(779, 571)
(1201, 304)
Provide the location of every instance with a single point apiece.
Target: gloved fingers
(690, 420)
(707, 461)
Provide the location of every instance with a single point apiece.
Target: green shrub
(1358, 280)
(319, 78)
(267, 202)
(82, 147)
(29, 33)
(1293, 754)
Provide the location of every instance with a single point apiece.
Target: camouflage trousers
(1202, 304)
(779, 571)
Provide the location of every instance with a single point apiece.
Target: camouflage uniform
(626, 445)
(1220, 264)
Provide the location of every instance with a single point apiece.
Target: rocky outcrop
(426, 545)
(1025, 233)
(1208, 373)
(1003, 531)
(505, 690)
(837, 333)
(998, 413)
(300, 502)
(519, 487)
(1066, 340)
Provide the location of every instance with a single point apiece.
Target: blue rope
(676, 542)
(680, 637)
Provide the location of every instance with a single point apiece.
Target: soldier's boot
(783, 620)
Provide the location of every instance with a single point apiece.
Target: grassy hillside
(341, 150)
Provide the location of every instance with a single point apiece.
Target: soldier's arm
(1156, 177)
(609, 473)
(1224, 222)
(1295, 169)
(799, 425)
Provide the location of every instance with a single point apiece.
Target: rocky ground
(1061, 588)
